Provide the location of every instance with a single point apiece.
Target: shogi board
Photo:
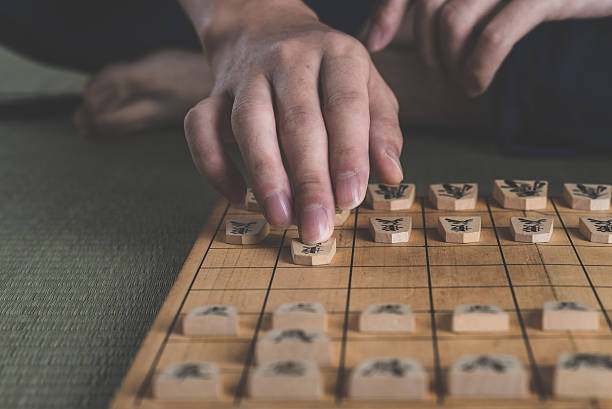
(428, 274)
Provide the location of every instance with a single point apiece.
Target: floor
(94, 230)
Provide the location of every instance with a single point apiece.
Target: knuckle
(343, 100)
(309, 182)
(452, 18)
(197, 115)
(492, 38)
(343, 44)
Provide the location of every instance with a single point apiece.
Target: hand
(286, 83)
(466, 41)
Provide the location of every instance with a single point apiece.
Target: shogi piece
(480, 318)
(250, 202)
(246, 231)
(290, 379)
(306, 315)
(390, 318)
(211, 320)
(569, 315)
(458, 229)
(587, 197)
(583, 375)
(454, 196)
(521, 194)
(488, 376)
(188, 381)
(596, 229)
(391, 197)
(296, 343)
(313, 254)
(388, 378)
(531, 229)
(390, 229)
(341, 216)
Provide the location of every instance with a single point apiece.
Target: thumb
(385, 23)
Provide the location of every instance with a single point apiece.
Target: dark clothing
(554, 90)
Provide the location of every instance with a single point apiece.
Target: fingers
(386, 23)
(425, 21)
(254, 128)
(459, 20)
(495, 42)
(385, 134)
(304, 141)
(205, 125)
(344, 85)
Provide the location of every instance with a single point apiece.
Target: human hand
(465, 42)
(287, 84)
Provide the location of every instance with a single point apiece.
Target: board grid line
(439, 385)
(341, 379)
(534, 367)
(242, 383)
(586, 273)
(147, 381)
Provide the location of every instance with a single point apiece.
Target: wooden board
(426, 273)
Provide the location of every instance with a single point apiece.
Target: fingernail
(314, 224)
(391, 153)
(375, 38)
(348, 195)
(277, 208)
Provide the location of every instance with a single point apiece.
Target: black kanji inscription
(388, 309)
(220, 310)
(485, 362)
(392, 192)
(288, 368)
(532, 226)
(589, 361)
(242, 228)
(298, 334)
(389, 366)
(459, 225)
(569, 306)
(454, 191)
(302, 307)
(589, 191)
(524, 189)
(479, 308)
(191, 371)
(603, 226)
(308, 250)
(390, 224)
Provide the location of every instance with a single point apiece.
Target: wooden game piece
(313, 254)
(583, 375)
(531, 229)
(307, 315)
(188, 381)
(341, 216)
(211, 320)
(521, 194)
(569, 315)
(480, 318)
(390, 229)
(286, 379)
(250, 202)
(295, 343)
(391, 197)
(587, 197)
(388, 378)
(391, 318)
(454, 196)
(596, 229)
(246, 231)
(488, 376)
(459, 229)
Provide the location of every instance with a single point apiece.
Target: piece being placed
(521, 194)
(531, 229)
(488, 376)
(246, 231)
(569, 315)
(188, 381)
(313, 254)
(596, 229)
(480, 318)
(295, 343)
(454, 196)
(250, 203)
(289, 379)
(388, 378)
(307, 315)
(341, 216)
(459, 229)
(391, 197)
(390, 229)
(211, 320)
(587, 197)
(583, 375)
(390, 318)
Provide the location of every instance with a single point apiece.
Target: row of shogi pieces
(289, 356)
(511, 194)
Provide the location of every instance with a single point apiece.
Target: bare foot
(154, 91)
